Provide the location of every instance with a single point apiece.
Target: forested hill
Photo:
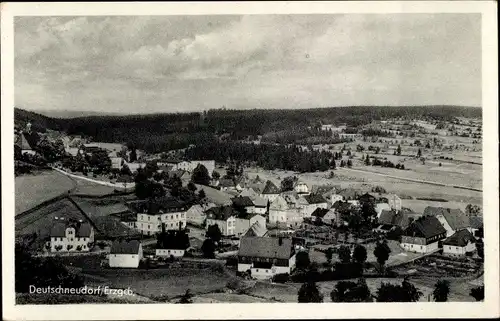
(157, 131)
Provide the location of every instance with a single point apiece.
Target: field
(84, 187)
(170, 282)
(31, 190)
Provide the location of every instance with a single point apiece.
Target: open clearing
(32, 190)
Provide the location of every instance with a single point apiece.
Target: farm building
(459, 244)
(280, 212)
(451, 219)
(244, 223)
(423, 235)
(257, 229)
(224, 217)
(394, 201)
(379, 207)
(264, 257)
(260, 203)
(309, 203)
(125, 254)
(270, 191)
(475, 225)
(71, 236)
(243, 203)
(195, 215)
(172, 243)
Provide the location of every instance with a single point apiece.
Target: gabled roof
(393, 218)
(81, 230)
(279, 204)
(476, 222)
(454, 216)
(314, 199)
(221, 213)
(257, 229)
(242, 201)
(270, 188)
(266, 247)
(460, 238)
(426, 226)
(125, 247)
(366, 197)
(320, 212)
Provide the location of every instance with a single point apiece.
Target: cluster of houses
(246, 215)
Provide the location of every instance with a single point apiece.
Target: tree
(215, 175)
(125, 170)
(201, 194)
(186, 297)
(477, 293)
(348, 291)
(480, 248)
(419, 153)
(214, 233)
(367, 160)
(208, 248)
(349, 163)
(329, 255)
(382, 252)
(302, 260)
(309, 292)
(399, 150)
(441, 291)
(333, 165)
(200, 175)
(288, 183)
(344, 254)
(406, 292)
(359, 255)
(472, 210)
(191, 187)
(133, 155)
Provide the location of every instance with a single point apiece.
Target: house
(452, 219)
(189, 166)
(71, 236)
(264, 257)
(173, 243)
(243, 203)
(319, 213)
(244, 222)
(125, 254)
(257, 229)
(224, 217)
(332, 217)
(348, 193)
(280, 212)
(301, 188)
(134, 167)
(195, 215)
(475, 225)
(117, 162)
(379, 207)
(392, 218)
(459, 244)
(227, 184)
(367, 198)
(309, 203)
(127, 218)
(151, 215)
(336, 197)
(394, 202)
(270, 191)
(260, 203)
(423, 235)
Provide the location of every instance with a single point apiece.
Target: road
(410, 179)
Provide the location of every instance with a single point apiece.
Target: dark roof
(156, 206)
(320, 212)
(426, 226)
(81, 230)
(221, 212)
(476, 222)
(125, 179)
(270, 188)
(266, 247)
(315, 199)
(454, 216)
(242, 201)
(226, 182)
(170, 160)
(460, 238)
(392, 217)
(366, 197)
(125, 247)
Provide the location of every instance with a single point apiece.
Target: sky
(149, 64)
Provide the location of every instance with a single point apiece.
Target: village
(392, 204)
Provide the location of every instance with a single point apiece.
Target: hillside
(157, 132)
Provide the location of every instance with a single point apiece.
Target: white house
(379, 207)
(224, 217)
(117, 162)
(423, 235)
(394, 202)
(172, 243)
(301, 188)
(189, 166)
(336, 198)
(150, 215)
(195, 215)
(125, 254)
(270, 191)
(281, 212)
(309, 203)
(264, 257)
(244, 224)
(71, 237)
(459, 243)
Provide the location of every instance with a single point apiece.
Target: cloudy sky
(185, 63)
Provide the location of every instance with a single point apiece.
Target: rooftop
(266, 247)
(125, 247)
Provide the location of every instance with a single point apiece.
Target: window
(84, 246)
(176, 215)
(256, 270)
(149, 226)
(133, 256)
(182, 215)
(149, 218)
(159, 218)
(77, 239)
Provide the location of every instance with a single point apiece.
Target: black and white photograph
(232, 157)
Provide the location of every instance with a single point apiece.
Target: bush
(281, 278)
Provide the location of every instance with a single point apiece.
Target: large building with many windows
(152, 214)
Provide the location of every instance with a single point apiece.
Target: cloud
(184, 62)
